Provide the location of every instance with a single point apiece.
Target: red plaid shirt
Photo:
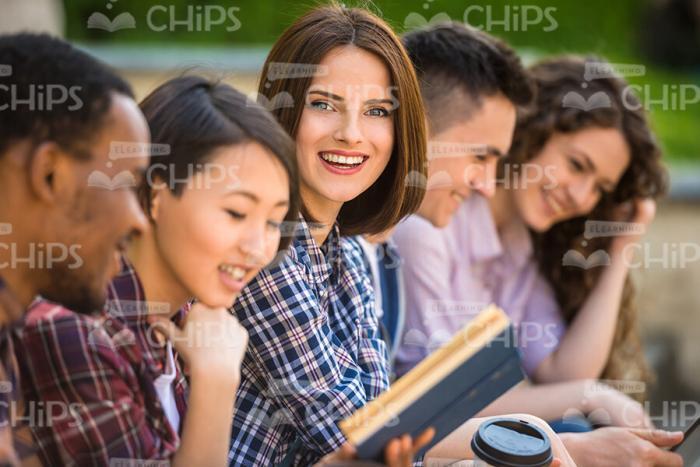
(94, 379)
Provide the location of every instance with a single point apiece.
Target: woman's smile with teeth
(345, 160)
(237, 273)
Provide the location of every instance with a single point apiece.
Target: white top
(166, 391)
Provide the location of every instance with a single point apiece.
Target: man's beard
(68, 289)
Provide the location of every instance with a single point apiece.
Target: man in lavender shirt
(472, 84)
(452, 273)
(455, 261)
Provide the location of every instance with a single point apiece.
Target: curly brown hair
(645, 177)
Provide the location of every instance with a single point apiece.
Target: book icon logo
(5, 387)
(416, 179)
(99, 337)
(99, 179)
(99, 20)
(441, 179)
(573, 99)
(576, 259)
(416, 21)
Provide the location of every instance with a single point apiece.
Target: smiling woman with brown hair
(315, 352)
(357, 35)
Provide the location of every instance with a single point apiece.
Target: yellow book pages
(366, 421)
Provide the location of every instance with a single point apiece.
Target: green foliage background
(610, 28)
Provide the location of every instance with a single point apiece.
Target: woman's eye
(274, 225)
(482, 157)
(577, 166)
(604, 191)
(378, 112)
(235, 214)
(321, 105)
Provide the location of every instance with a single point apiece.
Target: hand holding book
(399, 452)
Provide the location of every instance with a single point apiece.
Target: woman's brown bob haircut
(305, 43)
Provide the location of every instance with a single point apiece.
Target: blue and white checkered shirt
(315, 353)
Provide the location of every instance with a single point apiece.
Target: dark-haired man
(471, 84)
(64, 121)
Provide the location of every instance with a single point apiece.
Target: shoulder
(282, 293)
(541, 291)
(52, 333)
(44, 317)
(415, 228)
(290, 268)
(415, 237)
(353, 254)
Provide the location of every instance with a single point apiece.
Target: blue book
(450, 386)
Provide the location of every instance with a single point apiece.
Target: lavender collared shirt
(450, 274)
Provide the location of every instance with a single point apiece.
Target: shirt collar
(486, 243)
(322, 260)
(128, 304)
(127, 299)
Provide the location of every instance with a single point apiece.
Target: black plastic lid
(509, 442)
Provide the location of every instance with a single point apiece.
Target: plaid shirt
(97, 374)
(8, 364)
(314, 356)
(8, 399)
(8, 377)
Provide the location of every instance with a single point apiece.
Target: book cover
(454, 383)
